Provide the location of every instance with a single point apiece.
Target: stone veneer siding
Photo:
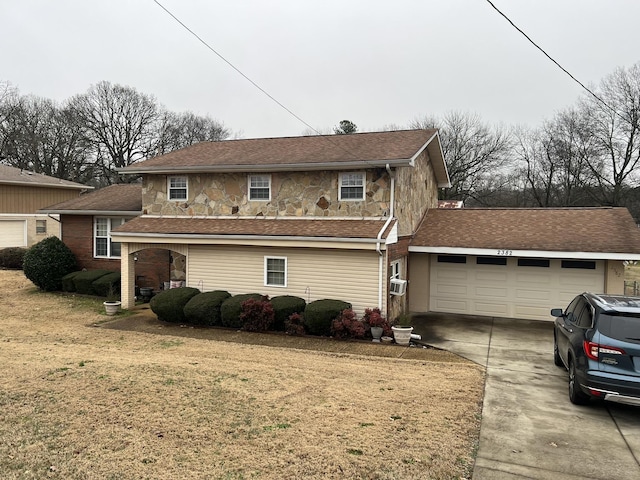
(296, 194)
(416, 192)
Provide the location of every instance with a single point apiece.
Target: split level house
(22, 194)
(315, 217)
(351, 217)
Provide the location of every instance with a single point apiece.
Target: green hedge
(107, 284)
(83, 281)
(284, 306)
(319, 314)
(232, 307)
(204, 308)
(46, 262)
(12, 257)
(169, 305)
(67, 282)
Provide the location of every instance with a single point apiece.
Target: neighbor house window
(260, 187)
(177, 188)
(103, 245)
(41, 226)
(351, 186)
(275, 271)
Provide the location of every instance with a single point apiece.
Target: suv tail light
(593, 350)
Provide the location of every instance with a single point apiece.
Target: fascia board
(526, 253)
(119, 213)
(189, 236)
(301, 167)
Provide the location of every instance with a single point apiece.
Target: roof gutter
(289, 238)
(526, 253)
(111, 213)
(399, 162)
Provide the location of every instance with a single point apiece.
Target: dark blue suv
(597, 339)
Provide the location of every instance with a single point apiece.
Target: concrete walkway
(529, 428)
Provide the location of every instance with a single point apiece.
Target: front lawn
(80, 402)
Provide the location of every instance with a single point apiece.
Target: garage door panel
(13, 233)
(509, 290)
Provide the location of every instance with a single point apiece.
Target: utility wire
(554, 61)
(234, 67)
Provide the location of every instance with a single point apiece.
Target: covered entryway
(508, 286)
(13, 233)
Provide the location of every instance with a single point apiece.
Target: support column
(128, 277)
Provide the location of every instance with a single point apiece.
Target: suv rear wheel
(577, 396)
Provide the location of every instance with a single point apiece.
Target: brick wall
(152, 266)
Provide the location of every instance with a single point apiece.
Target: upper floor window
(103, 246)
(260, 187)
(351, 186)
(177, 188)
(275, 271)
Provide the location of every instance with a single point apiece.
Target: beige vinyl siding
(29, 199)
(312, 274)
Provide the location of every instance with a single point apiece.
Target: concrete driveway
(529, 428)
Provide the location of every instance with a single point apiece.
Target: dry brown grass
(94, 403)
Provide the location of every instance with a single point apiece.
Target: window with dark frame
(491, 260)
(452, 259)
(534, 262)
(581, 264)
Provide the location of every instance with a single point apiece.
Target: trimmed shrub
(232, 307)
(12, 257)
(204, 308)
(284, 306)
(169, 305)
(83, 281)
(107, 284)
(257, 315)
(294, 325)
(67, 282)
(318, 315)
(347, 325)
(46, 262)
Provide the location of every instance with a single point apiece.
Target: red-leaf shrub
(346, 325)
(294, 325)
(257, 315)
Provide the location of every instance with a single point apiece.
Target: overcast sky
(373, 62)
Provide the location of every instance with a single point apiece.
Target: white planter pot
(376, 333)
(112, 307)
(402, 334)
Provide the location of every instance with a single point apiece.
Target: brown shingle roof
(17, 176)
(280, 227)
(268, 153)
(602, 230)
(111, 199)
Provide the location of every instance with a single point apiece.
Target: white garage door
(13, 233)
(510, 287)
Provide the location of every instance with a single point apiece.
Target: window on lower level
(452, 259)
(103, 246)
(582, 264)
(351, 186)
(395, 270)
(41, 226)
(275, 271)
(533, 262)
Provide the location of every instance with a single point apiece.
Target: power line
(234, 67)
(554, 61)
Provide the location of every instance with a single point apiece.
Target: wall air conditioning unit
(398, 287)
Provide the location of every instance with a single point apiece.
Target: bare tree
(179, 130)
(118, 122)
(473, 152)
(615, 128)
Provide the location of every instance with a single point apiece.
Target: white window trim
(108, 237)
(286, 271)
(186, 188)
(249, 177)
(396, 270)
(364, 185)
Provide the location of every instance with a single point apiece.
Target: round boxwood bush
(168, 305)
(232, 307)
(319, 314)
(68, 284)
(204, 308)
(107, 285)
(284, 306)
(84, 280)
(46, 262)
(12, 257)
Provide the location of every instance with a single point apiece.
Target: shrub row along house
(350, 217)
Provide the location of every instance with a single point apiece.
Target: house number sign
(505, 253)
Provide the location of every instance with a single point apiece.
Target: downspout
(379, 237)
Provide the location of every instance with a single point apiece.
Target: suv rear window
(621, 327)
